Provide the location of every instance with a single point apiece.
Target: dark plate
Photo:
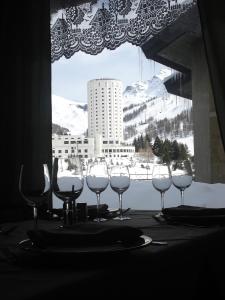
(143, 241)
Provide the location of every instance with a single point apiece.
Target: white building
(105, 118)
(105, 125)
(69, 145)
(105, 109)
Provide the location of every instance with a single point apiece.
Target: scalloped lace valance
(94, 25)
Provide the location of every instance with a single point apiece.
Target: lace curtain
(91, 26)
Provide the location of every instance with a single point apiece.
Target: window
(116, 90)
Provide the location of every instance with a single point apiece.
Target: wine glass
(97, 180)
(182, 176)
(161, 181)
(67, 185)
(120, 182)
(34, 187)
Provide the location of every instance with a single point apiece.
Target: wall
(209, 153)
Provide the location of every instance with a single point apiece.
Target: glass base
(100, 220)
(121, 218)
(159, 215)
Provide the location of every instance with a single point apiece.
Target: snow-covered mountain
(141, 91)
(69, 114)
(144, 103)
(157, 102)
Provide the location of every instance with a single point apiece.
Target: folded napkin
(195, 215)
(85, 234)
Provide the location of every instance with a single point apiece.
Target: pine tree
(157, 147)
(183, 152)
(166, 152)
(135, 144)
(175, 151)
(142, 144)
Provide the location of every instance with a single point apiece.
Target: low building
(69, 145)
(89, 148)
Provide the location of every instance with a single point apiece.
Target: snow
(165, 73)
(66, 113)
(142, 195)
(189, 142)
(161, 108)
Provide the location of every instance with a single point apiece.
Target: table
(191, 266)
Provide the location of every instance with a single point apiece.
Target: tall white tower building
(105, 110)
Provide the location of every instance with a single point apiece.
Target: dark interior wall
(26, 94)
(212, 17)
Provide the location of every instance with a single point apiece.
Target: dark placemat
(195, 215)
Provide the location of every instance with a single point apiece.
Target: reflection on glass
(120, 182)
(97, 180)
(67, 185)
(161, 181)
(34, 186)
(182, 176)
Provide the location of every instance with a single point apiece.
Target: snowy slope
(168, 107)
(69, 114)
(159, 105)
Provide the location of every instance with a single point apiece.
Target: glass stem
(182, 196)
(98, 206)
(162, 200)
(74, 211)
(120, 205)
(35, 215)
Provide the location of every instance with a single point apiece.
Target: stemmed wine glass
(120, 182)
(67, 185)
(161, 181)
(97, 180)
(34, 187)
(182, 176)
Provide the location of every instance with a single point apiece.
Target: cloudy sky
(127, 63)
